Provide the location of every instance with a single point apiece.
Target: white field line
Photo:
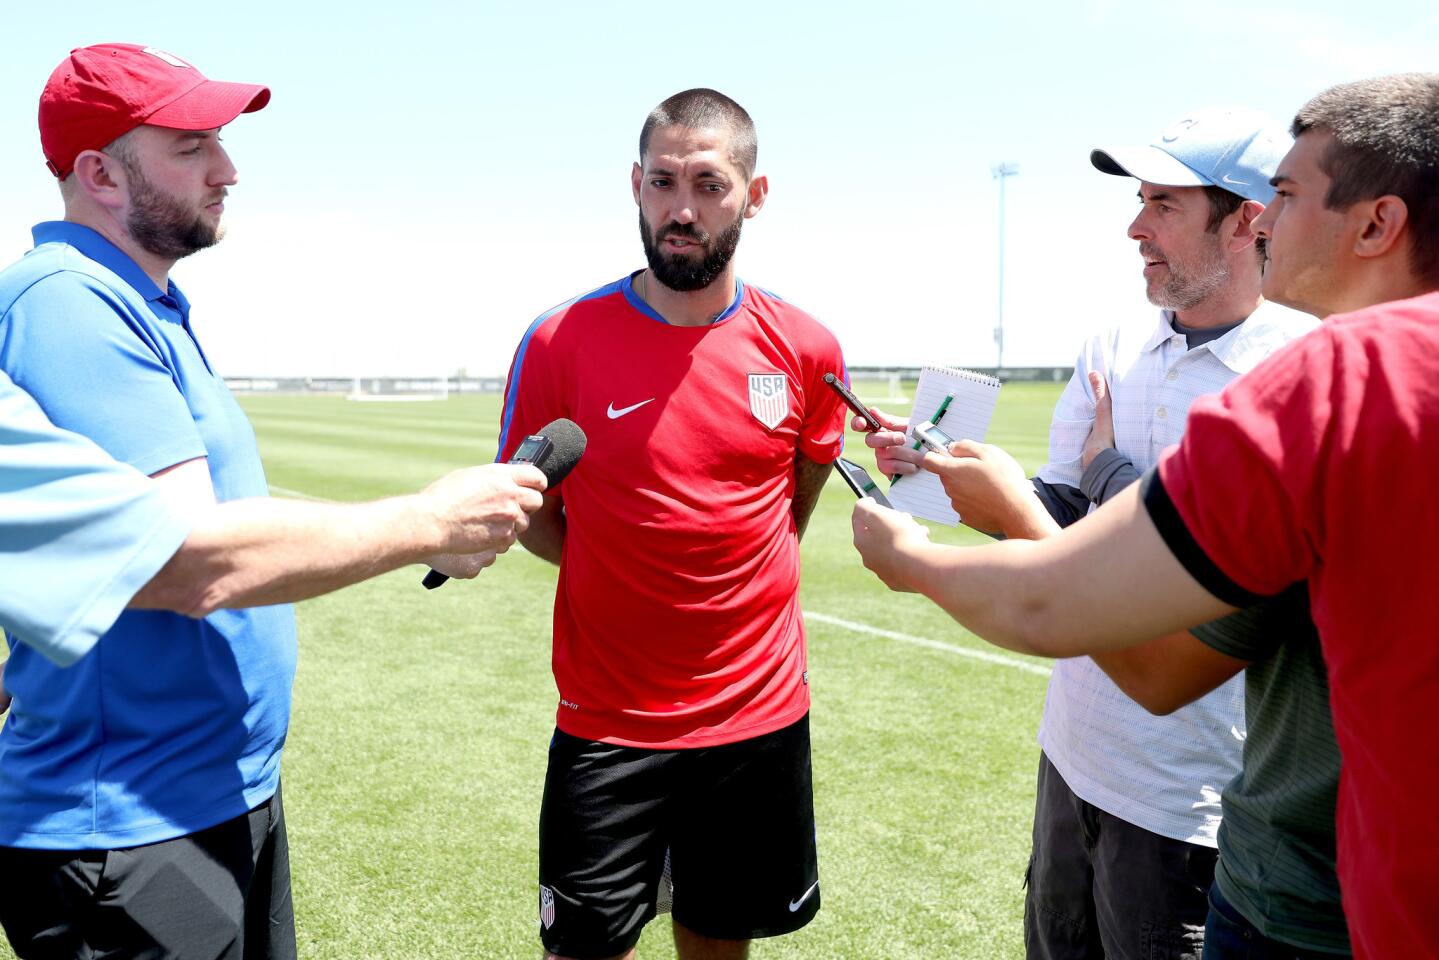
(1013, 663)
(296, 495)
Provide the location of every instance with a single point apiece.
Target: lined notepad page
(967, 418)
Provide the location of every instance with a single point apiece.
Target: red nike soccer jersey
(677, 620)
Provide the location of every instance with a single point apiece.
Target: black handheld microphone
(554, 450)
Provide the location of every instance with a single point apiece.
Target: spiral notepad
(967, 418)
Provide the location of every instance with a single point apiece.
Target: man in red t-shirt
(679, 652)
(1315, 467)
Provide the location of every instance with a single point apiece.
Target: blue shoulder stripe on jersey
(513, 388)
(627, 285)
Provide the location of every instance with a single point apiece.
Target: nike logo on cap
(614, 414)
(1226, 178)
(794, 905)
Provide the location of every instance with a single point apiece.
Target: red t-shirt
(1321, 465)
(677, 620)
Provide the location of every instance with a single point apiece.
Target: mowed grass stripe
(336, 449)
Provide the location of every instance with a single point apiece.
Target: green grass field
(416, 754)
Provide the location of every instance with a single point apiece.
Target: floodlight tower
(1001, 173)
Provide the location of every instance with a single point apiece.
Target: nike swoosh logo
(796, 904)
(1226, 178)
(616, 414)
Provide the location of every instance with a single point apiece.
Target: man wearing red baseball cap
(140, 811)
(103, 92)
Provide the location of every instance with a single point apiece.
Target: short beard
(161, 225)
(681, 273)
(1194, 283)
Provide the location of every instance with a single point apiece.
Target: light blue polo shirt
(79, 532)
(169, 725)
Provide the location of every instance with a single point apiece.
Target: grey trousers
(1100, 887)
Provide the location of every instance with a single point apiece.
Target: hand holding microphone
(480, 511)
(491, 504)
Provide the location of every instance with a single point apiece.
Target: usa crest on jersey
(547, 906)
(769, 398)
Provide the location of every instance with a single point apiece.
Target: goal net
(400, 388)
(879, 386)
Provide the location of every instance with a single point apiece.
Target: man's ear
(101, 177)
(635, 174)
(1381, 223)
(1242, 234)
(758, 190)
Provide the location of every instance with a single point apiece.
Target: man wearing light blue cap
(1127, 808)
(1275, 891)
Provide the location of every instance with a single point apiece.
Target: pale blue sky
(432, 175)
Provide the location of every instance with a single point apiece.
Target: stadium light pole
(1002, 172)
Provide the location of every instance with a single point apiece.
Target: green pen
(938, 415)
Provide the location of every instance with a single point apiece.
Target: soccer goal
(400, 388)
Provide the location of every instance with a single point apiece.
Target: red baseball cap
(98, 93)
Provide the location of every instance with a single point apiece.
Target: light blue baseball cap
(1233, 148)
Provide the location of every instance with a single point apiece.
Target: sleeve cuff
(1107, 474)
(1185, 548)
(96, 614)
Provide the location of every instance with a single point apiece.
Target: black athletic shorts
(737, 820)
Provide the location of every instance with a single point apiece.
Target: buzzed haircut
(1386, 142)
(703, 108)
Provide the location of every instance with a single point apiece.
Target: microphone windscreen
(569, 444)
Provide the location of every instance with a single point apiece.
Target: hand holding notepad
(965, 417)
